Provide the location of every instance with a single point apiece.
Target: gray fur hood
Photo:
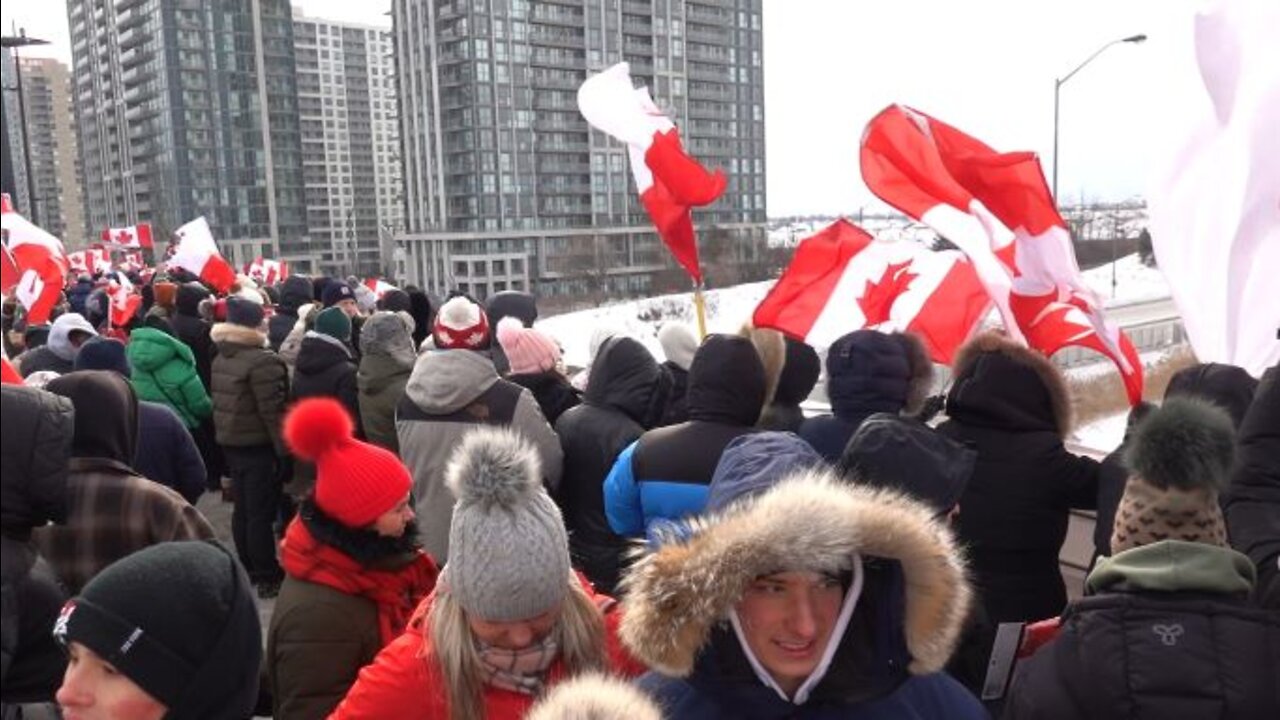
(445, 381)
(676, 595)
(389, 334)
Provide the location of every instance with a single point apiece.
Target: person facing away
(509, 618)
(679, 344)
(250, 391)
(868, 371)
(354, 570)
(166, 451)
(663, 476)
(34, 449)
(626, 395)
(1011, 404)
(325, 368)
(386, 361)
(171, 631)
(67, 334)
(452, 390)
(1252, 508)
(164, 371)
(295, 292)
(803, 596)
(533, 359)
(193, 330)
(111, 510)
(1170, 613)
(800, 371)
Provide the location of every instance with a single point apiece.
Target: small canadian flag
(133, 236)
(197, 252)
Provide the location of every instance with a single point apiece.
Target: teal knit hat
(334, 323)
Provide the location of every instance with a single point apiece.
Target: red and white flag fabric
(841, 279)
(1215, 205)
(38, 261)
(267, 272)
(379, 286)
(197, 253)
(124, 301)
(670, 183)
(997, 208)
(132, 236)
(90, 261)
(133, 262)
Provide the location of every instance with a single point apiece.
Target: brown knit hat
(1180, 457)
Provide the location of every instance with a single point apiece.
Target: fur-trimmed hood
(773, 355)
(1001, 384)
(237, 335)
(677, 595)
(869, 371)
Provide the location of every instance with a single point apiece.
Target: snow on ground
(1135, 282)
(1102, 435)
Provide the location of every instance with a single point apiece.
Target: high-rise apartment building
(350, 142)
(188, 108)
(506, 186)
(51, 140)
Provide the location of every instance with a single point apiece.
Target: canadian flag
(670, 182)
(135, 236)
(998, 210)
(197, 252)
(841, 279)
(267, 272)
(39, 265)
(379, 286)
(132, 262)
(124, 301)
(91, 261)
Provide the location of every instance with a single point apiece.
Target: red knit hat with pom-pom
(355, 482)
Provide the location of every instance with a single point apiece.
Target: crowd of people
(453, 524)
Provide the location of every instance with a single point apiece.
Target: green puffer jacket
(164, 371)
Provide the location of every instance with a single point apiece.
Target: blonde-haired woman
(508, 618)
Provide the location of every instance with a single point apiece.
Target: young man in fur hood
(812, 599)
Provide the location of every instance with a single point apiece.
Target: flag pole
(700, 306)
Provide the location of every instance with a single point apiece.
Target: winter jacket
(167, 452)
(77, 294)
(405, 682)
(868, 372)
(626, 394)
(1011, 405)
(449, 393)
(294, 293)
(509, 303)
(1227, 386)
(292, 343)
(57, 355)
(678, 401)
(164, 371)
(325, 369)
(798, 377)
(1253, 500)
(193, 330)
(387, 359)
(250, 388)
(34, 449)
(892, 638)
(663, 476)
(111, 510)
(551, 390)
(320, 637)
(1169, 632)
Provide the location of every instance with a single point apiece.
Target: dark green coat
(164, 371)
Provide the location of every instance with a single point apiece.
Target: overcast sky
(985, 66)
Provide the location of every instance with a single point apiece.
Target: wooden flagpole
(700, 305)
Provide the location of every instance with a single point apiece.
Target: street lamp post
(15, 41)
(1057, 88)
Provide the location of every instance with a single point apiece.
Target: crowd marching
(453, 524)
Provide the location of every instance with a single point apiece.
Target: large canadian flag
(197, 252)
(1215, 206)
(132, 236)
(39, 264)
(267, 272)
(841, 279)
(670, 182)
(996, 207)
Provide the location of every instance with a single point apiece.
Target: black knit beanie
(179, 621)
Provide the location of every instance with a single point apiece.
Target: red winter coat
(401, 684)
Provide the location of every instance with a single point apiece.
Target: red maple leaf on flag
(878, 297)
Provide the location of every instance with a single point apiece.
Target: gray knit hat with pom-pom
(508, 548)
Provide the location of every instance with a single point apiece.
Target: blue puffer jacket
(868, 372)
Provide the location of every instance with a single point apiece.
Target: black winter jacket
(193, 330)
(325, 369)
(294, 293)
(167, 452)
(1253, 500)
(626, 394)
(678, 400)
(552, 391)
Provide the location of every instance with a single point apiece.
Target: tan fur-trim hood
(1049, 374)
(772, 348)
(675, 595)
(238, 334)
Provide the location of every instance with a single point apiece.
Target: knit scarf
(395, 592)
(523, 671)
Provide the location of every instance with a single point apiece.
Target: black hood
(1001, 389)
(511, 303)
(188, 300)
(294, 293)
(34, 447)
(422, 310)
(1226, 386)
(106, 414)
(726, 381)
(316, 354)
(799, 374)
(626, 377)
